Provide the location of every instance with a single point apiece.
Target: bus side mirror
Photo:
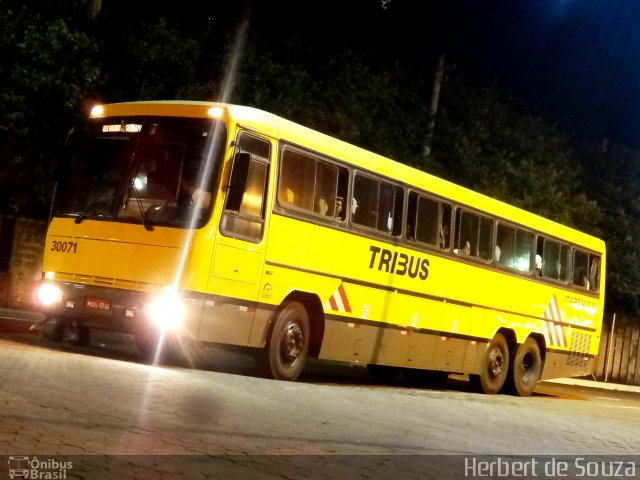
(238, 180)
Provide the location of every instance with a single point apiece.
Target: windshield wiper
(143, 215)
(83, 213)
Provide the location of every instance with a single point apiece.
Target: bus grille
(106, 282)
(580, 345)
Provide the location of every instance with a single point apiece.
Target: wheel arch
(509, 335)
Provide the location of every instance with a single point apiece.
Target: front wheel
(525, 369)
(495, 366)
(285, 353)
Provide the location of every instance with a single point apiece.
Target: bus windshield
(149, 170)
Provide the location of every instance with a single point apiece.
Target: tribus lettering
(398, 263)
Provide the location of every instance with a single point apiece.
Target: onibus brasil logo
(32, 468)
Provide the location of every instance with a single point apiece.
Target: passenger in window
(339, 205)
(538, 265)
(322, 206)
(409, 233)
(193, 195)
(496, 253)
(291, 196)
(444, 236)
(464, 251)
(593, 274)
(580, 277)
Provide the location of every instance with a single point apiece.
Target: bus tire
(59, 329)
(285, 354)
(495, 367)
(525, 369)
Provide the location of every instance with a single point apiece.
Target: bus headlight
(48, 294)
(166, 310)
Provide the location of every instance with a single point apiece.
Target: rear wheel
(287, 348)
(525, 369)
(495, 367)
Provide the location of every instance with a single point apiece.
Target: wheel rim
(495, 365)
(292, 344)
(527, 366)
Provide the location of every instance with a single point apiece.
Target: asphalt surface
(84, 448)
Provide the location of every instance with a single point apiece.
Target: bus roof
(283, 129)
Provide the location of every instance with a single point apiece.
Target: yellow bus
(225, 224)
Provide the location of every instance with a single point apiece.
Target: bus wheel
(285, 354)
(383, 373)
(495, 367)
(525, 369)
(59, 329)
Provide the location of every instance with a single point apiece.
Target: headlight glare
(48, 294)
(167, 310)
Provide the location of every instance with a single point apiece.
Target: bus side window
(427, 221)
(377, 205)
(325, 189)
(244, 211)
(312, 184)
(586, 270)
(523, 251)
(461, 235)
(514, 248)
(297, 180)
(343, 191)
(555, 259)
(485, 238)
(364, 204)
(444, 233)
(412, 206)
(505, 245)
(474, 235)
(594, 273)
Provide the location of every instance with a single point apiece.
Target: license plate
(97, 303)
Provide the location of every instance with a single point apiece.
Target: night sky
(575, 62)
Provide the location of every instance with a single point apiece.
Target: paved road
(177, 422)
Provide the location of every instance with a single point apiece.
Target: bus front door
(239, 251)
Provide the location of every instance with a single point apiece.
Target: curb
(18, 320)
(580, 382)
